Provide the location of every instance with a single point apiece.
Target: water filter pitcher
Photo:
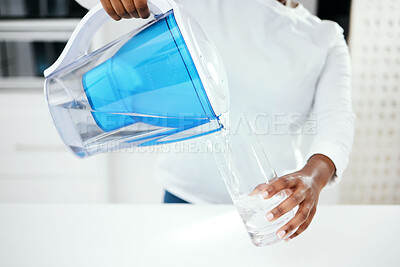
(163, 82)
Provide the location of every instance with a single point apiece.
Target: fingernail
(281, 234)
(264, 194)
(269, 216)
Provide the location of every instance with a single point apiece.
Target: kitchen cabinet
(34, 164)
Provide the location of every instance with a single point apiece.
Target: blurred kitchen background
(36, 167)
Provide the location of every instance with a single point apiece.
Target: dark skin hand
(303, 187)
(126, 9)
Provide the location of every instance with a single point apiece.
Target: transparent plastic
(212, 67)
(142, 89)
(243, 165)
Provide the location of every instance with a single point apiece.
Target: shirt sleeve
(333, 110)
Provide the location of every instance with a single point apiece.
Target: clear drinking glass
(244, 165)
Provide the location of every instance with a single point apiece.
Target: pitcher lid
(206, 59)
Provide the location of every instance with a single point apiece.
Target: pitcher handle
(80, 40)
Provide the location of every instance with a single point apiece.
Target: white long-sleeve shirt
(288, 73)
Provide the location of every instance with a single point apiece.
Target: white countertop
(189, 235)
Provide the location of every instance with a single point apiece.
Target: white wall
(373, 176)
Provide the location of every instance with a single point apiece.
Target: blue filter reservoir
(161, 83)
(151, 79)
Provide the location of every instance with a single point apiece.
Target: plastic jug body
(142, 89)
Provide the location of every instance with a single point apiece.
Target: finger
(109, 9)
(130, 8)
(273, 179)
(120, 9)
(305, 225)
(298, 219)
(287, 205)
(288, 192)
(277, 186)
(142, 8)
(258, 189)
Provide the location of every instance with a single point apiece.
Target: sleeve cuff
(340, 159)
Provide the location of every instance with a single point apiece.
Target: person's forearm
(321, 168)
